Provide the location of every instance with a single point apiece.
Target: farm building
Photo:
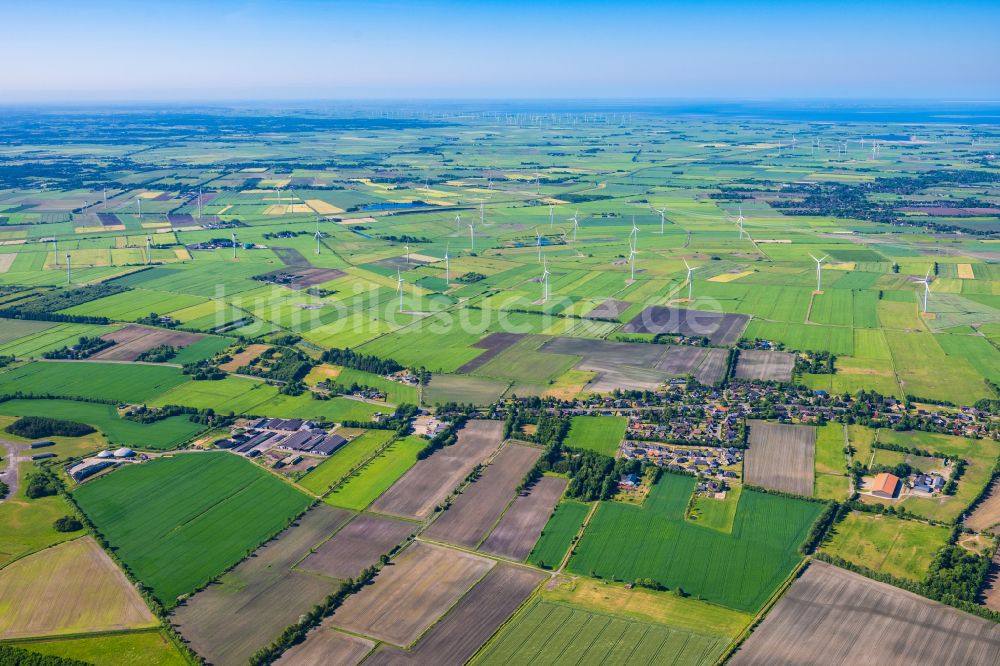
(928, 483)
(89, 467)
(885, 485)
(124, 452)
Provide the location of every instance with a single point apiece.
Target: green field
(558, 534)
(555, 633)
(596, 433)
(346, 458)
(27, 523)
(105, 381)
(900, 548)
(141, 648)
(179, 521)
(738, 570)
(830, 481)
(159, 435)
(396, 392)
(364, 486)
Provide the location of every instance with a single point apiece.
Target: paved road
(14, 459)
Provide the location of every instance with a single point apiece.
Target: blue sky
(314, 49)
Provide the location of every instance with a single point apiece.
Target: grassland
(737, 570)
(179, 521)
(380, 472)
(596, 433)
(28, 522)
(345, 459)
(105, 381)
(558, 534)
(144, 648)
(159, 435)
(901, 548)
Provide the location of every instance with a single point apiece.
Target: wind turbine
(458, 221)
(138, 203)
(538, 242)
(149, 249)
(927, 288)
(545, 277)
(399, 288)
(55, 250)
(199, 203)
(318, 235)
(552, 220)
(407, 246)
(690, 279)
(105, 198)
(819, 272)
(575, 223)
(635, 231)
(631, 257)
(472, 238)
(447, 264)
(69, 269)
(482, 213)
(662, 212)
(739, 220)
(234, 245)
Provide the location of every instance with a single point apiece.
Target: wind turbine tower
(662, 212)
(545, 278)
(690, 279)
(739, 220)
(399, 288)
(55, 250)
(149, 250)
(819, 269)
(69, 269)
(447, 264)
(472, 238)
(234, 245)
(927, 288)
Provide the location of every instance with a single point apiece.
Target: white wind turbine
(739, 221)
(482, 213)
(634, 232)
(552, 219)
(545, 278)
(690, 279)
(447, 264)
(407, 246)
(55, 250)
(149, 250)
(399, 288)
(234, 245)
(631, 258)
(472, 238)
(458, 221)
(819, 269)
(662, 212)
(927, 288)
(575, 222)
(138, 203)
(317, 235)
(69, 269)
(538, 243)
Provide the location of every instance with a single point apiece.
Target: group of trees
(46, 306)
(33, 427)
(158, 354)
(85, 347)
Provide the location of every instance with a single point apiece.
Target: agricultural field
(229, 620)
(900, 548)
(626, 542)
(597, 433)
(175, 523)
(780, 457)
(94, 595)
(832, 616)
(548, 269)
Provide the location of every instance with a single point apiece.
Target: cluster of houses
(719, 463)
(296, 436)
(890, 486)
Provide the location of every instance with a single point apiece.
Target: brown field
(494, 343)
(621, 365)
(990, 596)
(250, 605)
(471, 623)
(965, 272)
(473, 513)
(765, 365)
(721, 329)
(609, 309)
(245, 357)
(70, 588)
(832, 616)
(306, 276)
(358, 545)
(327, 647)
(516, 533)
(6, 260)
(707, 365)
(987, 512)
(410, 594)
(432, 479)
(132, 340)
(781, 457)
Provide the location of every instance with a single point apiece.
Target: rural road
(14, 460)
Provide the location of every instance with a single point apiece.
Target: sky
(225, 50)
